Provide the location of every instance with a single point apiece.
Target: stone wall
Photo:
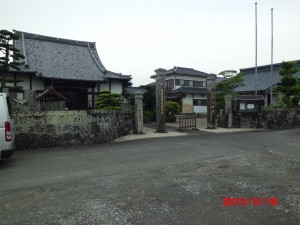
(268, 118)
(69, 128)
(279, 119)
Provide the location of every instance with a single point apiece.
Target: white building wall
(37, 84)
(200, 109)
(116, 87)
(26, 81)
(187, 104)
(104, 87)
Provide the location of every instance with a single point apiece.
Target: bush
(149, 116)
(172, 109)
(108, 100)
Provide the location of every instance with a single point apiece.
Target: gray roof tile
(62, 58)
(264, 78)
(185, 71)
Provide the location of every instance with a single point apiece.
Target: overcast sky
(138, 36)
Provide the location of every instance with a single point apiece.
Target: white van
(7, 127)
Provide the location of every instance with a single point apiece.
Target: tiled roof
(243, 98)
(189, 90)
(59, 58)
(185, 71)
(132, 90)
(264, 78)
(51, 94)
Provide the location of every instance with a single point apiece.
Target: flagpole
(271, 97)
(255, 48)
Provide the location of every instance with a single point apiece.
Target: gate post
(211, 99)
(228, 109)
(160, 100)
(138, 98)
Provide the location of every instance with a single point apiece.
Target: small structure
(51, 100)
(249, 106)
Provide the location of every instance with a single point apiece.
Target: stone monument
(228, 110)
(160, 100)
(138, 112)
(211, 102)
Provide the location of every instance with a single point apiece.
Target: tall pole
(271, 95)
(255, 48)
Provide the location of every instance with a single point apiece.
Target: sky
(138, 36)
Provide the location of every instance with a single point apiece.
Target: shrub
(149, 116)
(172, 109)
(108, 100)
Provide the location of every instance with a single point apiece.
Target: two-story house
(188, 88)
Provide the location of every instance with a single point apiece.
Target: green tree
(149, 99)
(108, 100)
(226, 87)
(290, 85)
(10, 55)
(172, 109)
(228, 73)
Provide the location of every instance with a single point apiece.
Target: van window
(9, 107)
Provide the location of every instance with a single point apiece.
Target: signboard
(249, 107)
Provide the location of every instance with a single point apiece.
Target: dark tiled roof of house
(133, 90)
(51, 94)
(189, 90)
(59, 58)
(264, 78)
(184, 71)
(244, 98)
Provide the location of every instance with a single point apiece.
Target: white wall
(37, 84)
(104, 87)
(26, 81)
(200, 109)
(116, 87)
(184, 77)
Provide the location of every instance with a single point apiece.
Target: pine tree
(10, 56)
(108, 100)
(290, 85)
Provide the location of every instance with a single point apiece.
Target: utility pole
(255, 48)
(271, 95)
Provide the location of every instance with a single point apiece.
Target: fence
(68, 128)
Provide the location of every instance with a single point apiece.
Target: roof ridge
(102, 68)
(53, 39)
(268, 65)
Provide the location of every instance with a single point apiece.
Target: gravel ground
(172, 180)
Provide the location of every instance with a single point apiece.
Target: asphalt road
(178, 180)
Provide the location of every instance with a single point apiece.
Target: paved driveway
(175, 180)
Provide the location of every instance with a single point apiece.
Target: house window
(170, 83)
(90, 100)
(200, 102)
(199, 84)
(186, 83)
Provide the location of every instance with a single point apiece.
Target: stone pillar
(228, 109)
(160, 101)
(139, 112)
(29, 96)
(211, 102)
